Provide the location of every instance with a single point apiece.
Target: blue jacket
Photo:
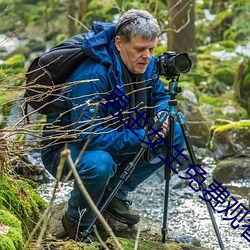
(87, 118)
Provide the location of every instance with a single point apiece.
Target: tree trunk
(71, 6)
(83, 7)
(181, 27)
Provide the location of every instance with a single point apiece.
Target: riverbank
(188, 216)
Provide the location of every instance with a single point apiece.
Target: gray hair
(137, 22)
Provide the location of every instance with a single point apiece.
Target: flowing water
(188, 216)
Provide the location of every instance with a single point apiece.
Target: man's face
(137, 53)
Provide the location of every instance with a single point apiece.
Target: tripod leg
(167, 173)
(203, 185)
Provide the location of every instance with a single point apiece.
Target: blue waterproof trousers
(100, 170)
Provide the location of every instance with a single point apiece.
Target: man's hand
(165, 126)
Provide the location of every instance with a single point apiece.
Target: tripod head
(174, 89)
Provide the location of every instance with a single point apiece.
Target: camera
(171, 65)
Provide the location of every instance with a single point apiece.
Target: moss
(225, 75)
(221, 132)
(214, 101)
(128, 244)
(13, 239)
(9, 219)
(219, 103)
(235, 125)
(16, 237)
(16, 61)
(13, 71)
(21, 199)
(229, 45)
(6, 243)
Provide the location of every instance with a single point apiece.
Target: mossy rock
(230, 139)
(128, 244)
(22, 200)
(10, 231)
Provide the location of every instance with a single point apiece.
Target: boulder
(231, 169)
(230, 139)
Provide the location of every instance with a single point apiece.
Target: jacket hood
(98, 43)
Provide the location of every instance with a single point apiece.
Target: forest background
(214, 33)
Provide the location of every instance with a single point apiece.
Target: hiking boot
(75, 231)
(121, 211)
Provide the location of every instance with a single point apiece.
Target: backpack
(47, 74)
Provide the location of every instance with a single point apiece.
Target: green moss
(212, 100)
(16, 61)
(128, 244)
(220, 132)
(6, 243)
(9, 219)
(21, 199)
(13, 239)
(16, 237)
(235, 125)
(225, 75)
(229, 45)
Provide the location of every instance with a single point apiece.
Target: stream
(188, 216)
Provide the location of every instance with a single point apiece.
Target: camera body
(171, 65)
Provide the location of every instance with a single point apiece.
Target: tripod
(173, 90)
(128, 170)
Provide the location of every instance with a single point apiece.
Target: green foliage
(242, 84)
(22, 200)
(13, 239)
(229, 23)
(225, 75)
(214, 101)
(17, 61)
(219, 102)
(12, 67)
(6, 243)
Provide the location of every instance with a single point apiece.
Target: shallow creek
(187, 213)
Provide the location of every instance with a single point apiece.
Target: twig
(77, 21)
(66, 154)
(137, 236)
(99, 238)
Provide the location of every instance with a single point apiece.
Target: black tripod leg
(167, 173)
(194, 161)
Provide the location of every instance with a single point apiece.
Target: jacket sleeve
(89, 118)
